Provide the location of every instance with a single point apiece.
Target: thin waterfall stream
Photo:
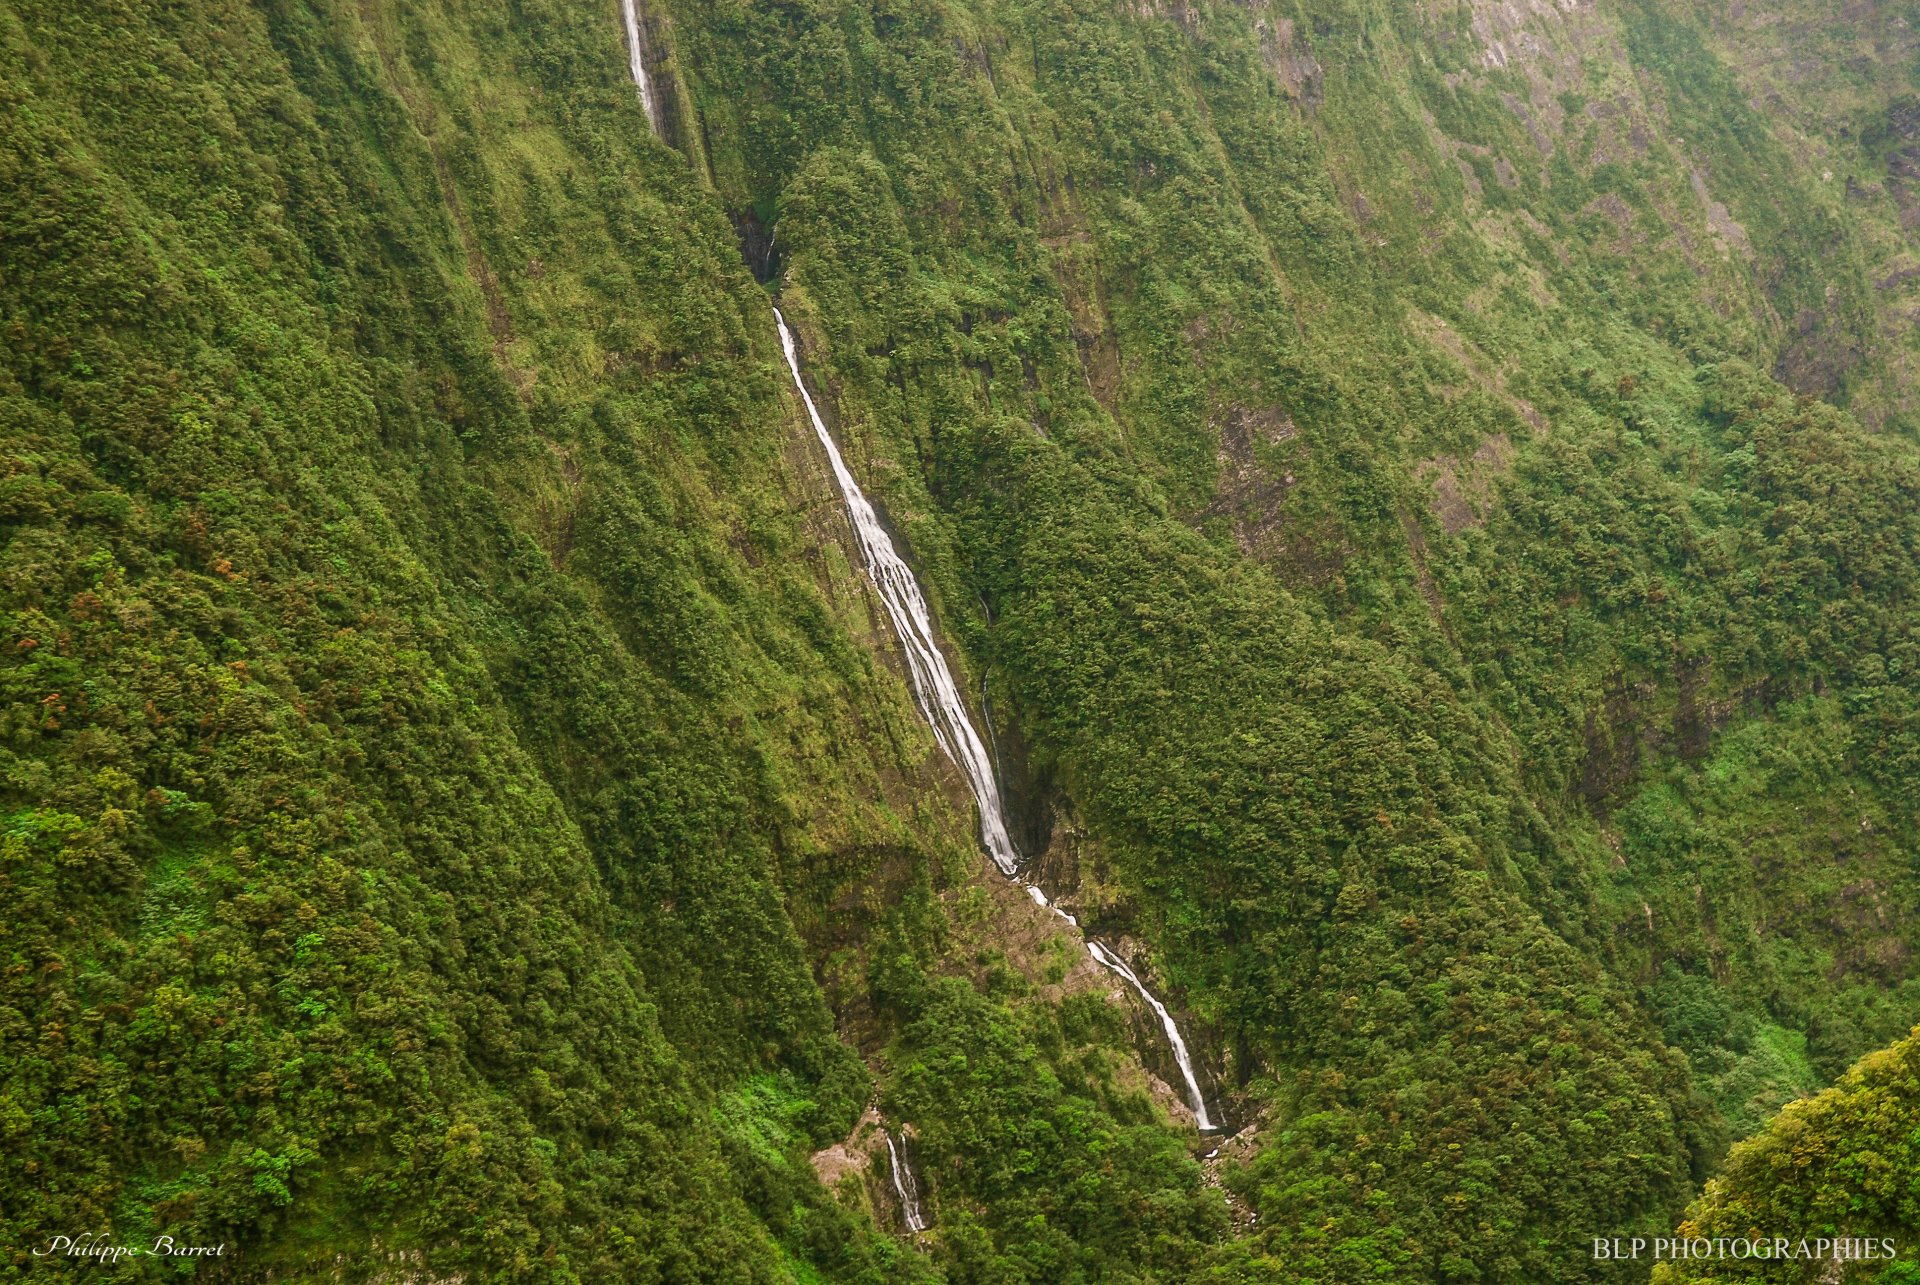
(637, 62)
(938, 697)
(934, 689)
(905, 1188)
(935, 692)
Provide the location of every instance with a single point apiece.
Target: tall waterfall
(637, 63)
(938, 697)
(905, 1189)
(933, 687)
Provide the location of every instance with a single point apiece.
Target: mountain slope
(1836, 1168)
(445, 704)
(1345, 419)
(1425, 496)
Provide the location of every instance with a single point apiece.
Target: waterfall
(637, 63)
(1118, 966)
(934, 689)
(938, 696)
(904, 1187)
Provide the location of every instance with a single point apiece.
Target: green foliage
(1526, 525)
(1840, 1164)
(1041, 1167)
(454, 818)
(367, 839)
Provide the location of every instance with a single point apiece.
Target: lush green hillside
(442, 710)
(1431, 492)
(1838, 1168)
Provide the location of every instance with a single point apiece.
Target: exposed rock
(1463, 488)
(854, 1153)
(1288, 57)
(1719, 219)
(1251, 493)
(1484, 372)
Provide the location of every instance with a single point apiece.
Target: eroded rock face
(1252, 491)
(1527, 33)
(853, 1154)
(1289, 57)
(1463, 487)
(1724, 225)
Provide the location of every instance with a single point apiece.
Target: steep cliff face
(400, 739)
(1429, 491)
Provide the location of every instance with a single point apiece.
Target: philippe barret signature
(95, 1245)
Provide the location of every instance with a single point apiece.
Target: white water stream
(938, 696)
(637, 63)
(933, 686)
(905, 1188)
(935, 692)
(1118, 966)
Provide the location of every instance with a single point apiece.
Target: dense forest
(1423, 500)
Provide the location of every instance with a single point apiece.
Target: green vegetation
(1414, 798)
(1432, 490)
(1840, 1165)
(399, 712)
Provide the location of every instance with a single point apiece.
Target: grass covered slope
(463, 809)
(327, 934)
(446, 736)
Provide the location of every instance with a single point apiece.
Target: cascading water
(637, 63)
(934, 691)
(905, 1189)
(938, 697)
(1118, 966)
